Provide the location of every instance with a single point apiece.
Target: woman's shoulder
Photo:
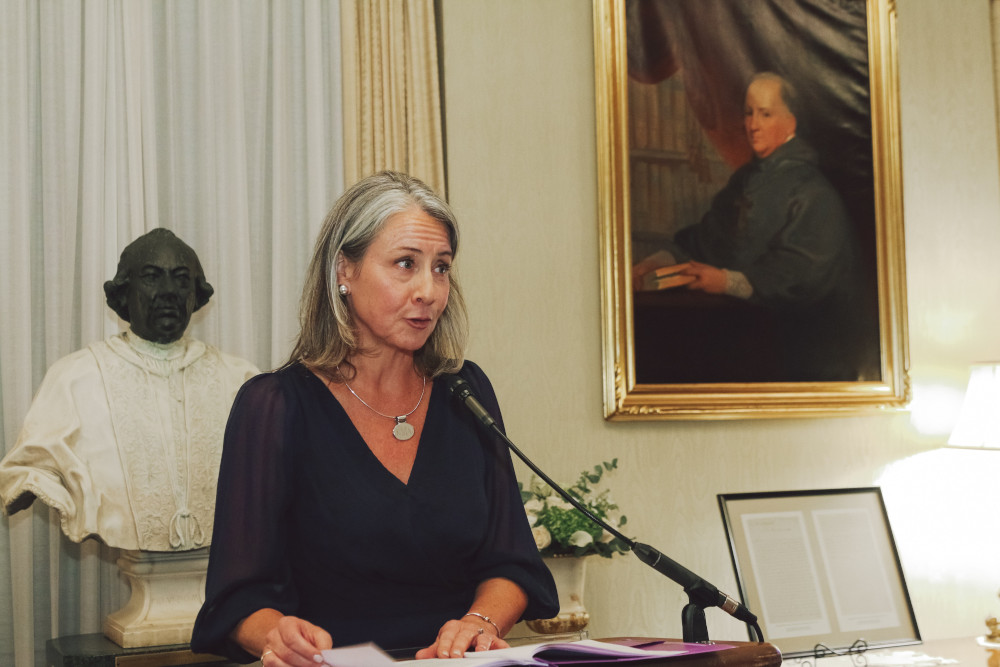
(275, 384)
(472, 372)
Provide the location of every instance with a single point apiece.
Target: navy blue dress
(310, 523)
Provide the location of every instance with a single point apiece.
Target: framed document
(809, 318)
(820, 569)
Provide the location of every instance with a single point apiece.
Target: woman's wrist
(251, 632)
(485, 618)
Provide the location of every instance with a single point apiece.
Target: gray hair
(327, 334)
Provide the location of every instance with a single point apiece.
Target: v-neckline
(360, 446)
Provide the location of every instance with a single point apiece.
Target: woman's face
(400, 287)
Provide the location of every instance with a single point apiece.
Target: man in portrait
(124, 437)
(778, 237)
(801, 298)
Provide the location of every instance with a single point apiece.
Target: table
(96, 650)
(963, 649)
(741, 654)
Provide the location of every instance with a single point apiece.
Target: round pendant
(402, 431)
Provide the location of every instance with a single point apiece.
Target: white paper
(788, 553)
(855, 569)
(786, 575)
(359, 655)
(524, 655)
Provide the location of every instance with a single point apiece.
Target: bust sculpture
(124, 437)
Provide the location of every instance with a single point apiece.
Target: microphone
(706, 594)
(701, 593)
(462, 392)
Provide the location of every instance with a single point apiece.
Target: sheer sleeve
(509, 550)
(247, 568)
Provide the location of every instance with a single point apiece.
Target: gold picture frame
(629, 393)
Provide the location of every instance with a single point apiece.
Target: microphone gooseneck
(462, 392)
(701, 594)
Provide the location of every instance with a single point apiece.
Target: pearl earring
(343, 290)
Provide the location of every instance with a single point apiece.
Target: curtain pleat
(392, 113)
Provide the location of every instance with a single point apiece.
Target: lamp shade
(978, 423)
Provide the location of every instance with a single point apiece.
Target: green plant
(562, 530)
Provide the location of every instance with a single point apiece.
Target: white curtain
(219, 120)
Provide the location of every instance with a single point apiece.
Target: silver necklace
(402, 430)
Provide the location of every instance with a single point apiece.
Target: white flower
(543, 537)
(580, 538)
(534, 505)
(532, 518)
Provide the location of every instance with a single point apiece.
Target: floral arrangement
(562, 530)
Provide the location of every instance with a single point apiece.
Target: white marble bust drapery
(124, 439)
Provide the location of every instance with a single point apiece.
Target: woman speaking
(356, 502)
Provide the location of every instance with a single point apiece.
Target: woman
(356, 502)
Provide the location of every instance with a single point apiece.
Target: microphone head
(458, 387)
(462, 393)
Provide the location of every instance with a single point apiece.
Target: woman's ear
(344, 268)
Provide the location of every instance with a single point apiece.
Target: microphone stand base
(695, 628)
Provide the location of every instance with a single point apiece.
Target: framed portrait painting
(749, 179)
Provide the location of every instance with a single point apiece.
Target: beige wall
(518, 81)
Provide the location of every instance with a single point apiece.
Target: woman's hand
(456, 637)
(294, 642)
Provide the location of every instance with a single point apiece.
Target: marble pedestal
(168, 589)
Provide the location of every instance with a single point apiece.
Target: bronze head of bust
(158, 286)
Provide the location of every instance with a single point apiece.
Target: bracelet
(487, 619)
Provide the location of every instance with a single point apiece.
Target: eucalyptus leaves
(562, 530)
